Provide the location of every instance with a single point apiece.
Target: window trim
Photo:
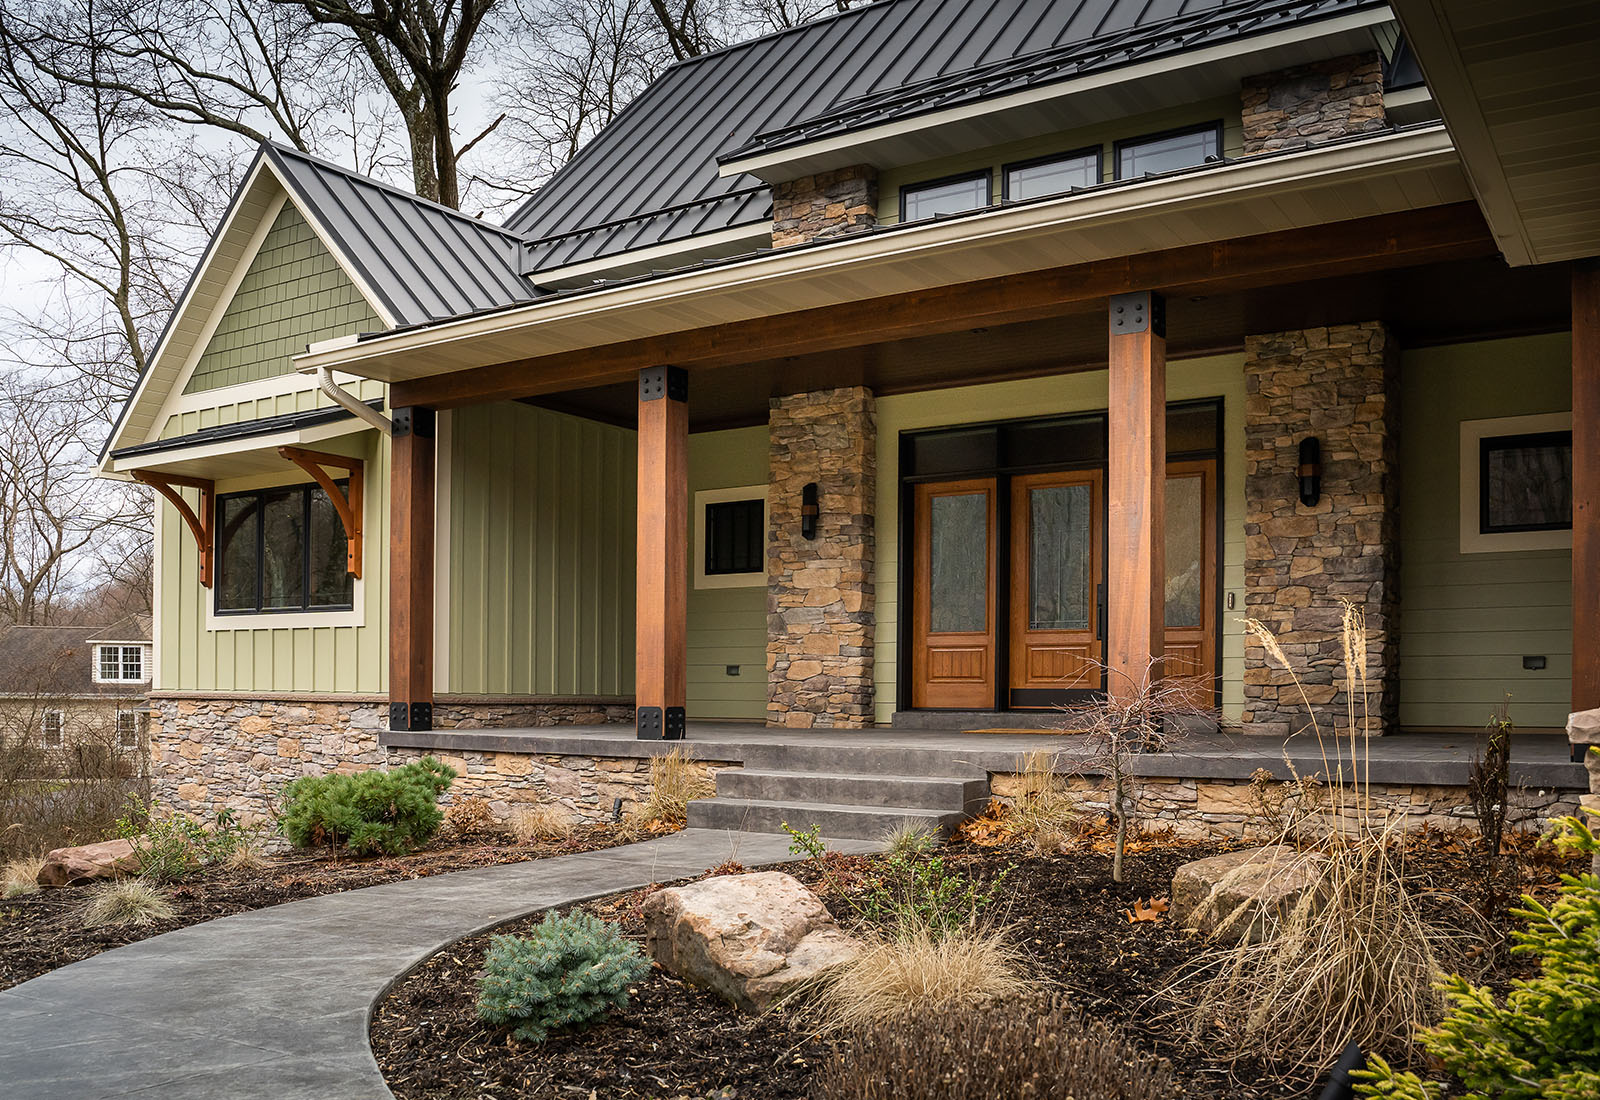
(1506, 441)
(99, 663)
(1096, 151)
(216, 614)
(132, 743)
(1117, 146)
(1470, 470)
(985, 174)
(61, 728)
(704, 497)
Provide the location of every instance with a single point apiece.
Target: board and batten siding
(255, 656)
(542, 521)
(727, 626)
(1225, 109)
(1467, 620)
(293, 294)
(1191, 379)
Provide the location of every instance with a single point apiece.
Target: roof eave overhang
(1387, 174)
(235, 458)
(639, 261)
(1200, 73)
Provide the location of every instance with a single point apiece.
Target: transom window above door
(954, 195)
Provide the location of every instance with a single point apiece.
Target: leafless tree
(51, 506)
(418, 50)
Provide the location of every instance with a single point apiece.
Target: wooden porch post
(1136, 491)
(411, 570)
(661, 638)
(1586, 485)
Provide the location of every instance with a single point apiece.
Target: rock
(88, 862)
(1230, 896)
(1583, 728)
(752, 939)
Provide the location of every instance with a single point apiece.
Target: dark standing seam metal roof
(651, 175)
(1132, 45)
(425, 261)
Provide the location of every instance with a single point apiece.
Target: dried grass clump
(674, 781)
(246, 857)
(470, 817)
(925, 971)
(1354, 961)
(20, 876)
(540, 823)
(126, 902)
(1043, 811)
(987, 1054)
(910, 842)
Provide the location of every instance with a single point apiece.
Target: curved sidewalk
(274, 1004)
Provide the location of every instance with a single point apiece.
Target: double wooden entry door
(1009, 594)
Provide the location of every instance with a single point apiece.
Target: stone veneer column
(1329, 99)
(819, 591)
(828, 204)
(1338, 384)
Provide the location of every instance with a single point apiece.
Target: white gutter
(350, 402)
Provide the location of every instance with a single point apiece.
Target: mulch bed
(40, 932)
(674, 1040)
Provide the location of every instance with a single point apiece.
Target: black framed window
(281, 549)
(1525, 482)
(1168, 151)
(1052, 175)
(952, 195)
(735, 537)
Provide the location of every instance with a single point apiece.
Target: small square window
(735, 537)
(1145, 156)
(950, 196)
(127, 729)
(53, 729)
(1052, 176)
(122, 664)
(1525, 482)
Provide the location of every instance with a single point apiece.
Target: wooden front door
(954, 634)
(1191, 582)
(1057, 570)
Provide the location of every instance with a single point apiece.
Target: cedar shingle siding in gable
(293, 294)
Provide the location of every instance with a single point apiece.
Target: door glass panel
(958, 533)
(1185, 561)
(1061, 558)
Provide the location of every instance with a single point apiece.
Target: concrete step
(882, 759)
(921, 792)
(760, 815)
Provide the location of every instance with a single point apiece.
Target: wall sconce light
(1310, 471)
(809, 510)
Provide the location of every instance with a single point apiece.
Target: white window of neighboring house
(127, 729)
(121, 664)
(53, 726)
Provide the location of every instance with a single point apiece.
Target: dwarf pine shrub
(1544, 1042)
(570, 971)
(370, 812)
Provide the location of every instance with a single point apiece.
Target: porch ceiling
(1436, 303)
(1516, 85)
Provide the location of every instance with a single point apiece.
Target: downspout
(347, 400)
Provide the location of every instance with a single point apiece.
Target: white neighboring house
(67, 688)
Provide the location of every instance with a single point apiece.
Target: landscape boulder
(752, 939)
(1235, 896)
(88, 862)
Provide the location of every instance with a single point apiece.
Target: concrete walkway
(274, 1004)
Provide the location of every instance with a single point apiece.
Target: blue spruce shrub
(371, 812)
(570, 971)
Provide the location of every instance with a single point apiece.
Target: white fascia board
(1427, 27)
(646, 257)
(317, 433)
(762, 165)
(1420, 148)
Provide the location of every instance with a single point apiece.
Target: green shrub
(913, 894)
(1544, 1042)
(172, 847)
(570, 971)
(370, 812)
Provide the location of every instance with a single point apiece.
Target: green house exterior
(1307, 219)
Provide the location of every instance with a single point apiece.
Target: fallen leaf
(1150, 909)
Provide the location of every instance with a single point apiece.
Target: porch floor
(1539, 761)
